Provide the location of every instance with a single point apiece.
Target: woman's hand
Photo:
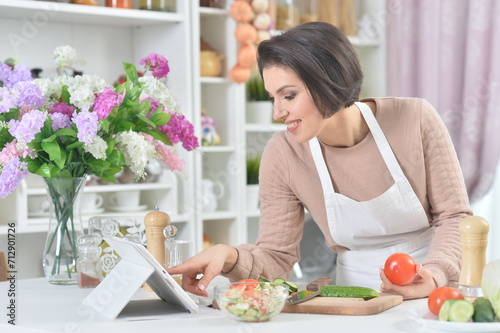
(420, 287)
(208, 263)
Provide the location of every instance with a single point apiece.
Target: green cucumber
(460, 311)
(444, 311)
(291, 286)
(483, 311)
(352, 292)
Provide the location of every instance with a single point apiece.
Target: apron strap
(381, 141)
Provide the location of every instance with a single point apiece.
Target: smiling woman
(370, 173)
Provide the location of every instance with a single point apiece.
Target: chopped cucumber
(461, 311)
(355, 292)
(291, 286)
(445, 310)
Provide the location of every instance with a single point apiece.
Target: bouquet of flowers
(69, 127)
(78, 126)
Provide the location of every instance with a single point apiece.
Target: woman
(378, 176)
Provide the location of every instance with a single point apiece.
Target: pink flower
(168, 155)
(105, 102)
(179, 129)
(62, 108)
(157, 64)
(11, 151)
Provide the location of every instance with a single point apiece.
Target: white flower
(137, 151)
(157, 90)
(97, 147)
(83, 89)
(49, 87)
(66, 56)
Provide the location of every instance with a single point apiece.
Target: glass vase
(65, 225)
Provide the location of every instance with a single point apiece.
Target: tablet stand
(115, 291)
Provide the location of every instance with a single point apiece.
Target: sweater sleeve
(281, 221)
(447, 196)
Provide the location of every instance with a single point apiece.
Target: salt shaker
(89, 265)
(172, 251)
(155, 223)
(474, 234)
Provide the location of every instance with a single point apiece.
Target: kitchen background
(446, 51)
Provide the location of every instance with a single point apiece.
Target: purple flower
(12, 174)
(8, 99)
(157, 64)
(60, 120)
(24, 130)
(105, 102)
(179, 129)
(25, 95)
(86, 123)
(62, 108)
(9, 77)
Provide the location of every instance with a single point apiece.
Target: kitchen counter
(40, 305)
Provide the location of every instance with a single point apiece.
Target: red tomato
(400, 268)
(441, 294)
(246, 284)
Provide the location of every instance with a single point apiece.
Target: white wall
(489, 208)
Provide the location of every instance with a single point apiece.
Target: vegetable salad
(251, 300)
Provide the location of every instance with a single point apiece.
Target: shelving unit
(223, 100)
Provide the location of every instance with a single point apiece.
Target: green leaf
(159, 135)
(56, 154)
(66, 131)
(131, 72)
(65, 95)
(161, 118)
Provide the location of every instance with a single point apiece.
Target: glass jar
(89, 266)
(172, 251)
(287, 14)
(126, 4)
(308, 11)
(158, 5)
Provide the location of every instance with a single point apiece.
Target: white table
(40, 305)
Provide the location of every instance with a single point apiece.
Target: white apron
(373, 230)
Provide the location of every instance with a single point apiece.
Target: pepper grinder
(474, 234)
(172, 251)
(155, 223)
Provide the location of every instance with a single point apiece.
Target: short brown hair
(323, 58)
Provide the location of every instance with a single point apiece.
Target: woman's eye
(271, 99)
(290, 97)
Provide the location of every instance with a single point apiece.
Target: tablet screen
(160, 281)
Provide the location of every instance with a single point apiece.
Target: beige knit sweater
(289, 183)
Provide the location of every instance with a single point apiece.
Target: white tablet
(136, 266)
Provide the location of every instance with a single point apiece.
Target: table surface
(46, 307)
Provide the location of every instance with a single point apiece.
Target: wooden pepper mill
(155, 223)
(474, 235)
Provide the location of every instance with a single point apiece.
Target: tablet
(136, 266)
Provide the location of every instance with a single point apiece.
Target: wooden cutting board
(345, 306)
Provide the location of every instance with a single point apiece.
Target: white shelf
(214, 80)
(210, 12)
(265, 128)
(71, 13)
(217, 149)
(219, 215)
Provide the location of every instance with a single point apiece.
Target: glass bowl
(251, 301)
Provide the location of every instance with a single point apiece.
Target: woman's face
(292, 103)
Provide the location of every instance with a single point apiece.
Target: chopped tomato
(245, 284)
